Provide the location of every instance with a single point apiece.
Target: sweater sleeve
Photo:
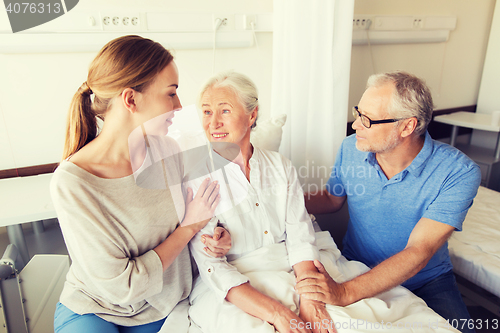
(99, 258)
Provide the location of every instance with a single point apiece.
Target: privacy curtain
(311, 66)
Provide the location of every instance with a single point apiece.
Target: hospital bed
(475, 251)
(404, 307)
(29, 294)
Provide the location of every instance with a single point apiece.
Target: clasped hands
(319, 286)
(217, 245)
(316, 290)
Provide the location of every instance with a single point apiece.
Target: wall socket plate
(227, 21)
(418, 22)
(121, 21)
(361, 22)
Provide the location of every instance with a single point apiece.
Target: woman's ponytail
(125, 62)
(81, 127)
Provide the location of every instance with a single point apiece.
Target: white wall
(35, 89)
(489, 97)
(489, 91)
(452, 69)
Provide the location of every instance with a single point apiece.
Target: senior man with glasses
(406, 194)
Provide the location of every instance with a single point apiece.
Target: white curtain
(312, 42)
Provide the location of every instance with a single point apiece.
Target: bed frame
(478, 295)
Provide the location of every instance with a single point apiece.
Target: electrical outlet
(121, 21)
(227, 21)
(361, 22)
(249, 21)
(418, 22)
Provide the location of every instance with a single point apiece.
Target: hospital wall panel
(452, 69)
(36, 88)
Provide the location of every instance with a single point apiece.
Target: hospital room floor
(51, 242)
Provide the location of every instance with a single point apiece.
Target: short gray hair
(242, 86)
(411, 98)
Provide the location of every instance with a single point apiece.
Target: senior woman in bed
(268, 209)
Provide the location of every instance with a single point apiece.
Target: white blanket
(269, 271)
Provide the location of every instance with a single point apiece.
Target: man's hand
(321, 287)
(314, 313)
(217, 245)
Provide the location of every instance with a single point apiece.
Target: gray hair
(242, 86)
(411, 98)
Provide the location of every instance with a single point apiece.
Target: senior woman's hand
(312, 311)
(315, 315)
(288, 322)
(219, 244)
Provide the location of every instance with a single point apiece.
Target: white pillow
(267, 134)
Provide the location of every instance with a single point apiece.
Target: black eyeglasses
(367, 122)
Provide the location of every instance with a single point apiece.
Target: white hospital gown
(270, 210)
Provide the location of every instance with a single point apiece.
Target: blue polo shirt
(439, 184)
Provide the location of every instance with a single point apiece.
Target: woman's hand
(315, 315)
(217, 245)
(200, 209)
(288, 322)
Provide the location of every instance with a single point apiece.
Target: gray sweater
(110, 227)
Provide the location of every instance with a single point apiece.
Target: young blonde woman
(130, 264)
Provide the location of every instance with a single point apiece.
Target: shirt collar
(370, 158)
(418, 163)
(254, 159)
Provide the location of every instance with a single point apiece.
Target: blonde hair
(241, 85)
(125, 62)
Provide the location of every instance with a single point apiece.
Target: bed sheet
(269, 271)
(475, 251)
